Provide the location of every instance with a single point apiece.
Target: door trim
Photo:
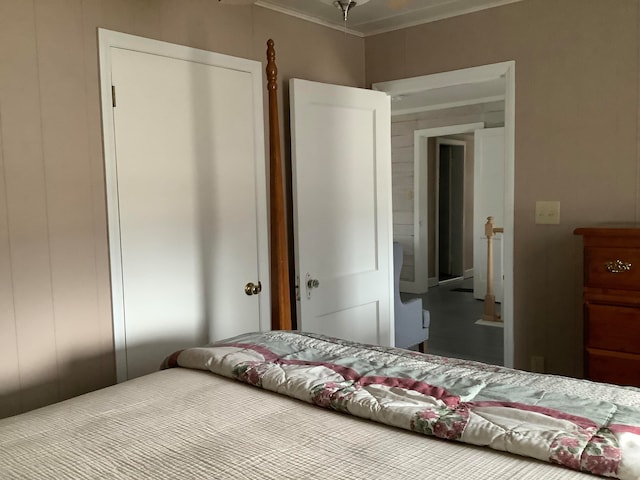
(483, 73)
(420, 202)
(107, 40)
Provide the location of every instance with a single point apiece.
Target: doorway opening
(450, 163)
(460, 92)
(426, 186)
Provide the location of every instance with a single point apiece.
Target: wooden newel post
(490, 299)
(280, 287)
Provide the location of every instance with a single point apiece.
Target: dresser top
(610, 230)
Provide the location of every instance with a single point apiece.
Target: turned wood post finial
(272, 69)
(488, 227)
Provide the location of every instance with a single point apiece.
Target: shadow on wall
(84, 374)
(79, 375)
(147, 357)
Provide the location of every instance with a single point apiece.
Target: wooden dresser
(612, 303)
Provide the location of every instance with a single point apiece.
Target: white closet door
(343, 220)
(189, 206)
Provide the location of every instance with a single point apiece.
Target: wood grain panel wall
(26, 206)
(402, 129)
(56, 338)
(9, 375)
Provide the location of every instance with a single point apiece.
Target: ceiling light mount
(345, 6)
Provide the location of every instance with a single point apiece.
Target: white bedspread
(190, 424)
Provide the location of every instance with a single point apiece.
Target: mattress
(192, 424)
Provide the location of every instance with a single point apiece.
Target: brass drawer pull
(617, 266)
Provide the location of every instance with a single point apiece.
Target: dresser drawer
(613, 367)
(612, 328)
(612, 268)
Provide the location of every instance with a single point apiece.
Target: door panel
(489, 200)
(186, 205)
(339, 224)
(342, 202)
(353, 322)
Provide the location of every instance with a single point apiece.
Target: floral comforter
(578, 424)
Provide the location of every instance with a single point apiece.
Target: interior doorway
(466, 88)
(426, 204)
(450, 166)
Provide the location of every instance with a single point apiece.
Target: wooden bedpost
(280, 288)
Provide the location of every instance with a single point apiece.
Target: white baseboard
(468, 273)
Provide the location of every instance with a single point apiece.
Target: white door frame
(457, 143)
(475, 75)
(421, 201)
(108, 39)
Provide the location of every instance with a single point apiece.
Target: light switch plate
(548, 212)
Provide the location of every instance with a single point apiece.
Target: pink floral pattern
(589, 450)
(602, 454)
(567, 448)
(333, 395)
(251, 372)
(443, 422)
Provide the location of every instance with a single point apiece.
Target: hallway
(453, 331)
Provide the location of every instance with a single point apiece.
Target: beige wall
(55, 318)
(576, 138)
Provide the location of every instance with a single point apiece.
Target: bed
(290, 405)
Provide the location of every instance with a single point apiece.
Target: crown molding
(398, 21)
(308, 18)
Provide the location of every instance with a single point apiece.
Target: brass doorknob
(252, 288)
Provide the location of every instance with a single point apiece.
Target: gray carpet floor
(453, 331)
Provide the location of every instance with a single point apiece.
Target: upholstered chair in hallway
(411, 320)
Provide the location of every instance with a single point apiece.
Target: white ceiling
(378, 16)
(449, 97)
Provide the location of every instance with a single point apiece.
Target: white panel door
(488, 200)
(343, 217)
(189, 206)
